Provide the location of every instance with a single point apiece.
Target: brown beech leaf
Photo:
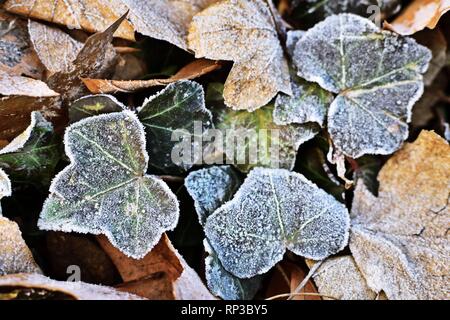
(16, 52)
(193, 70)
(55, 48)
(244, 32)
(88, 15)
(19, 96)
(399, 239)
(166, 20)
(23, 286)
(420, 14)
(162, 273)
(15, 257)
(95, 59)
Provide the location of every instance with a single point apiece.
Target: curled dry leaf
(89, 15)
(15, 256)
(24, 286)
(376, 74)
(420, 14)
(399, 239)
(244, 32)
(275, 210)
(193, 70)
(105, 189)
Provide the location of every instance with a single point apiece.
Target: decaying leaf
(89, 15)
(376, 74)
(161, 274)
(275, 210)
(16, 52)
(105, 189)
(193, 70)
(341, 279)
(244, 32)
(94, 105)
(400, 239)
(210, 188)
(32, 155)
(420, 14)
(176, 112)
(24, 286)
(15, 256)
(252, 139)
(56, 49)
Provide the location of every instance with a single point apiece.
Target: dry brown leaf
(162, 273)
(95, 59)
(56, 49)
(15, 257)
(29, 286)
(341, 279)
(244, 32)
(420, 14)
(399, 239)
(11, 85)
(166, 20)
(88, 15)
(16, 52)
(193, 70)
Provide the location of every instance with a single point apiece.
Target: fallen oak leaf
(244, 32)
(399, 239)
(35, 286)
(105, 189)
(89, 15)
(193, 70)
(420, 14)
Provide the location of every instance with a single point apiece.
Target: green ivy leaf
(34, 154)
(105, 190)
(94, 105)
(376, 74)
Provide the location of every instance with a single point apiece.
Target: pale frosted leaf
(55, 48)
(105, 190)
(89, 15)
(210, 188)
(292, 37)
(179, 108)
(165, 19)
(94, 105)
(15, 257)
(11, 85)
(309, 103)
(225, 285)
(275, 210)
(252, 139)
(5, 187)
(400, 239)
(364, 8)
(376, 74)
(244, 32)
(35, 286)
(340, 278)
(33, 155)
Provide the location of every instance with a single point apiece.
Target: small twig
(286, 295)
(311, 272)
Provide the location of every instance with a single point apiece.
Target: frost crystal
(376, 74)
(177, 108)
(275, 210)
(105, 189)
(93, 105)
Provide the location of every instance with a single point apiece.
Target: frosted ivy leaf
(376, 74)
(5, 187)
(292, 38)
(175, 113)
(93, 105)
(252, 139)
(244, 32)
(308, 103)
(34, 154)
(225, 285)
(211, 187)
(105, 190)
(275, 210)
